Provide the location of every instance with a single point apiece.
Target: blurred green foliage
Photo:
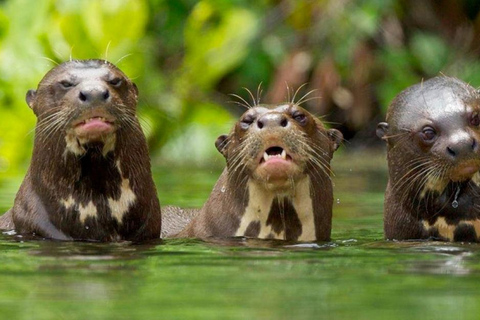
(186, 56)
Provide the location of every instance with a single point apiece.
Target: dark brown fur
(309, 144)
(60, 183)
(432, 135)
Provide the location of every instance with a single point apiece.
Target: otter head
(86, 101)
(433, 134)
(277, 146)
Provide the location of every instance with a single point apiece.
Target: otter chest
(454, 214)
(464, 230)
(111, 202)
(285, 217)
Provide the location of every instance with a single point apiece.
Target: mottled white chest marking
(69, 203)
(75, 144)
(122, 205)
(117, 207)
(303, 204)
(90, 210)
(260, 203)
(72, 144)
(448, 230)
(444, 229)
(127, 198)
(433, 184)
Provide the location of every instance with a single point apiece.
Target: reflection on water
(448, 260)
(357, 275)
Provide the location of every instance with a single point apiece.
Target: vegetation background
(187, 56)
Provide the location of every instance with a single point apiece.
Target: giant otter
(89, 177)
(432, 132)
(276, 184)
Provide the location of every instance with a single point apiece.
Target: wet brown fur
(427, 195)
(94, 176)
(311, 143)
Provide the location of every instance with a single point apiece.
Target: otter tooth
(284, 154)
(265, 156)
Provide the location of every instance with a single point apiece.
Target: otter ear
(336, 137)
(382, 129)
(30, 98)
(221, 143)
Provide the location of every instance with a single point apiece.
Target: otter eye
(300, 118)
(66, 84)
(475, 120)
(246, 121)
(428, 134)
(116, 82)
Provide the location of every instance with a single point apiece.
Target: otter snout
(93, 92)
(272, 120)
(461, 145)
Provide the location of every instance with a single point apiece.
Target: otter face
(87, 101)
(277, 145)
(453, 140)
(435, 128)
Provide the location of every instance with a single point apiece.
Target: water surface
(357, 275)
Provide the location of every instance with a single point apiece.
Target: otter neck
(455, 200)
(269, 215)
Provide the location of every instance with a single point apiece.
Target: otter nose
(91, 94)
(462, 146)
(272, 120)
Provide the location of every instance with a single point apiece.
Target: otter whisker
(124, 57)
(259, 94)
(303, 101)
(416, 165)
(296, 92)
(251, 96)
(106, 50)
(303, 98)
(51, 60)
(288, 92)
(246, 104)
(239, 104)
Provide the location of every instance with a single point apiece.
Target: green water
(355, 276)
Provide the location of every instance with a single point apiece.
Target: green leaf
(430, 51)
(216, 42)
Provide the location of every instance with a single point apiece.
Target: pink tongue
(93, 128)
(275, 160)
(95, 125)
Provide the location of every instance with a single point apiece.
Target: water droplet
(455, 204)
(223, 189)
(87, 227)
(338, 201)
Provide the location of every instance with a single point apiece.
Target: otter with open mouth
(89, 177)
(277, 181)
(432, 134)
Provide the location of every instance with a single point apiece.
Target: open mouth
(94, 121)
(94, 127)
(275, 153)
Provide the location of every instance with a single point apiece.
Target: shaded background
(187, 56)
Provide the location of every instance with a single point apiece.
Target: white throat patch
(75, 146)
(259, 206)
